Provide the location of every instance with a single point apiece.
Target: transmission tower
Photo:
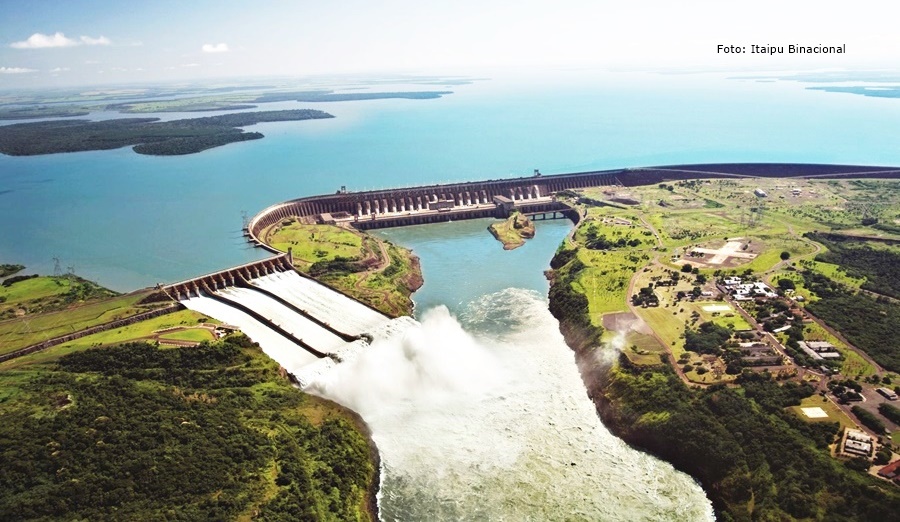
(245, 219)
(57, 270)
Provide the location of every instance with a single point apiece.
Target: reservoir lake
(130, 221)
(499, 427)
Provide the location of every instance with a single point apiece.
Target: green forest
(870, 323)
(150, 135)
(756, 460)
(878, 266)
(137, 432)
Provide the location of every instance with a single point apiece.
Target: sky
(48, 43)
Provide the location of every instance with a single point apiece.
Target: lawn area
(643, 349)
(30, 329)
(605, 280)
(190, 334)
(690, 226)
(36, 288)
(615, 229)
(709, 377)
(835, 272)
(311, 243)
(131, 332)
(775, 245)
(388, 290)
(667, 325)
(47, 294)
(729, 318)
(834, 413)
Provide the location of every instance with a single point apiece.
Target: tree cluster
(708, 338)
(756, 460)
(868, 323)
(142, 433)
(878, 266)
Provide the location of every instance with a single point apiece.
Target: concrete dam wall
(496, 197)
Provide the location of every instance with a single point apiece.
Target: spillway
(297, 321)
(326, 305)
(282, 316)
(276, 346)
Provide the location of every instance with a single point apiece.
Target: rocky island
(514, 231)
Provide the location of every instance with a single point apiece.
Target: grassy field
(641, 348)
(30, 329)
(605, 281)
(729, 318)
(143, 330)
(31, 289)
(616, 228)
(834, 413)
(513, 231)
(47, 294)
(312, 243)
(389, 289)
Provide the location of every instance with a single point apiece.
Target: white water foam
(288, 354)
(486, 418)
(326, 305)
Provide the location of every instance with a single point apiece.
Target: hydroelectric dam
(308, 327)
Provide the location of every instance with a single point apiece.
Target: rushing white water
(485, 417)
(272, 343)
(326, 305)
(292, 322)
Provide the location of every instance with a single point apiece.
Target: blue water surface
(129, 221)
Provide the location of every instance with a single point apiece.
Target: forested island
(42, 111)
(147, 135)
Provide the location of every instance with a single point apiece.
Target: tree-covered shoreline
(146, 135)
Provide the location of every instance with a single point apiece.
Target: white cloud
(15, 70)
(60, 69)
(218, 48)
(190, 65)
(102, 40)
(42, 41)
(46, 41)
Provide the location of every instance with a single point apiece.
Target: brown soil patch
(624, 322)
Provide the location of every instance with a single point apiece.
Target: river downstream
(479, 411)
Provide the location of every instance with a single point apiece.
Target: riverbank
(753, 459)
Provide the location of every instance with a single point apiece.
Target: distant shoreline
(145, 135)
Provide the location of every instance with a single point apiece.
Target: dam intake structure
(496, 198)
